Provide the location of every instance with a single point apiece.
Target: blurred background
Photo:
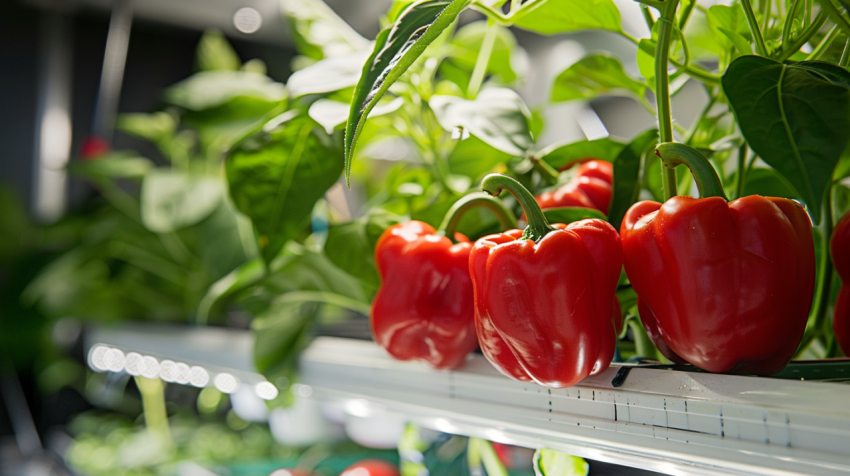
(81, 246)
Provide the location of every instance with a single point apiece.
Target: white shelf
(667, 421)
(661, 420)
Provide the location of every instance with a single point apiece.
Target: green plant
(783, 114)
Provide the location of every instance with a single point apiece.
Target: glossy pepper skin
(591, 187)
(546, 311)
(424, 308)
(840, 250)
(729, 284)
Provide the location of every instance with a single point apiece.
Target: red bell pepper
(729, 285)
(545, 302)
(423, 310)
(591, 187)
(840, 250)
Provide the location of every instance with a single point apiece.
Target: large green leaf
(498, 116)
(555, 463)
(209, 89)
(563, 16)
(626, 175)
(562, 155)
(593, 76)
(796, 120)
(328, 75)
(277, 175)
(351, 246)
(318, 31)
(172, 199)
(396, 48)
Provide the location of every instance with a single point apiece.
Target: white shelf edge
(672, 422)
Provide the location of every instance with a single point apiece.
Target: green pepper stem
(708, 183)
(474, 200)
(662, 88)
(538, 225)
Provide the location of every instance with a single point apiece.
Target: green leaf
(828, 71)
(568, 215)
(551, 17)
(498, 116)
(593, 76)
(397, 8)
(246, 275)
(563, 155)
(794, 119)
(171, 199)
(318, 31)
(555, 463)
(463, 52)
(209, 89)
(626, 174)
(474, 158)
(155, 127)
(729, 26)
(300, 285)
(215, 53)
(281, 333)
(396, 48)
(768, 183)
(115, 165)
(328, 75)
(741, 44)
(351, 246)
(277, 175)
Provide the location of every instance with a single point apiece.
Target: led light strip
(103, 358)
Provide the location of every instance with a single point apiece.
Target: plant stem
(686, 14)
(538, 225)
(153, 406)
(837, 17)
(804, 37)
(742, 161)
(845, 56)
(761, 47)
(546, 171)
(766, 18)
(708, 183)
(647, 17)
(481, 451)
(323, 297)
(482, 61)
(824, 279)
(662, 90)
(789, 21)
(643, 344)
(476, 200)
(824, 44)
